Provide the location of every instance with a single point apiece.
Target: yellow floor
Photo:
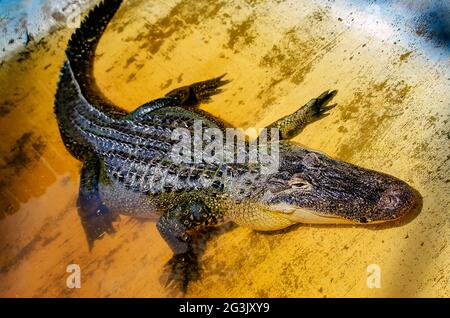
(393, 116)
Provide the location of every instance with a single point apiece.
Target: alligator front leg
(291, 125)
(95, 216)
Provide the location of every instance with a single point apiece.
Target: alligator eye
(277, 185)
(300, 184)
(311, 160)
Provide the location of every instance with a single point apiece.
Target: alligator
(122, 151)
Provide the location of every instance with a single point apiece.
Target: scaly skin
(128, 167)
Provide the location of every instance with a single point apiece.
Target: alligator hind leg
(291, 125)
(188, 96)
(200, 92)
(95, 216)
(140, 113)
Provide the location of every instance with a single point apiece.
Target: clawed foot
(290, 126)
(181, 269)
(200, 92)
(204, 90)
(319, 105)
(97, 224)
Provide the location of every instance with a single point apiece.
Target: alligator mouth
(308, 216)
(313, 217)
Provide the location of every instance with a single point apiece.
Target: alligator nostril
(392, 200)
(395, 201)
(392, 197)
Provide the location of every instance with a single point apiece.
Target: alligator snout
(396, 201)
(393, 198)
(314, 188)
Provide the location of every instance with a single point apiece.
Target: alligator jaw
(307, 216)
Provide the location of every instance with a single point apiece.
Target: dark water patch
(25, 150)
(6, 107)
(22, 254)
(46, 241)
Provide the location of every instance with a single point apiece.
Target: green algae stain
(299, 48)
(405, 56)
(166, 84)
(176, 23)
(291, 58)
(241, 35)
(371, 112)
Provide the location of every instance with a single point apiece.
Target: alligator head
(311, 187)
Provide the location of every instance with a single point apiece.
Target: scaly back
(78, 100)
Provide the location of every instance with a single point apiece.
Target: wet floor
(393, 116)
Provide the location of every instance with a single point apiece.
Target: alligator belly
(127, 201)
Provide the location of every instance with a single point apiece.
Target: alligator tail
(78, 101)
(81, 52)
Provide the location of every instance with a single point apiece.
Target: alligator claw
(319, 106)
(98, 224)
(205, 90)
(324, 110)
(181, 269)
(200, 92)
